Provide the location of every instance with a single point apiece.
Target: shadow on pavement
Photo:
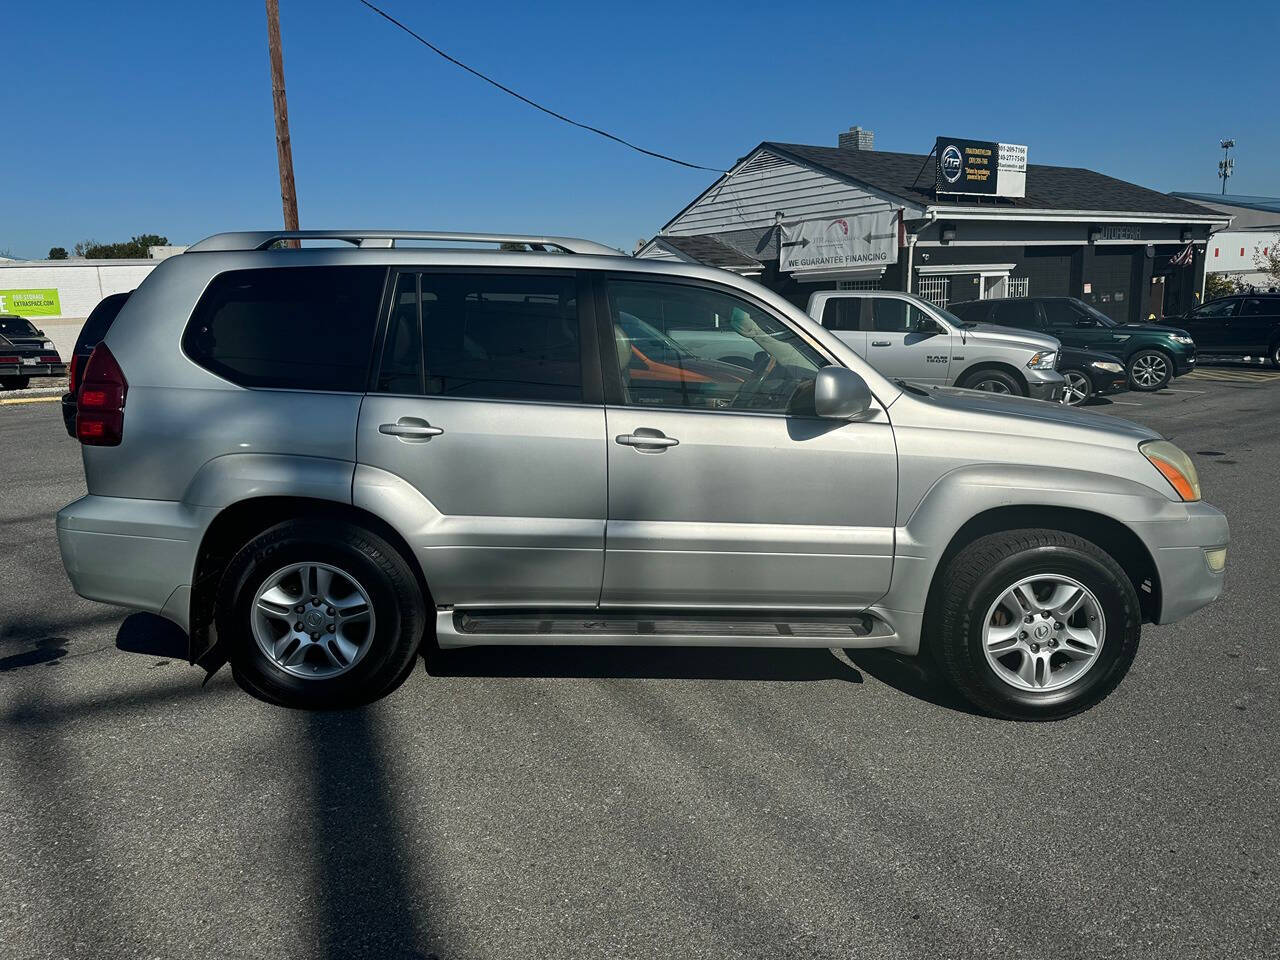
(642, 663)
(914, 676)
(154, 636)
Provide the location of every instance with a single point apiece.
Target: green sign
(30, 303)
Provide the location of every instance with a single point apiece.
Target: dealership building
(981, 223)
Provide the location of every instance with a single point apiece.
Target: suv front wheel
(319, 614)
(1035, 624)
(1150, 370)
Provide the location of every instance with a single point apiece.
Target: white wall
(80, 283)
(1224, 251)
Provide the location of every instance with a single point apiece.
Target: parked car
(1152, 354)
(1247, 325)
(903, 335)
(1089, 374)
(95, 327)
(25, 352)
(312, 459)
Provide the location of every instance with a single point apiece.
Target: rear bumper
(1179, 549)
(133, 553)
(33, 370)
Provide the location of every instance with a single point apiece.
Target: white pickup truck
(905, 337)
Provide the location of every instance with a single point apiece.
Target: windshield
(17, 327)
(1102, 318)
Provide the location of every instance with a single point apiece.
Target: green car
(1153, 355)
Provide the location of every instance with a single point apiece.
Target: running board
(464, 628)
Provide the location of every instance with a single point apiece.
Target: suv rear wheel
(319, 614)
(1035, 624)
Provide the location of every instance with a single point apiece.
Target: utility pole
(284, 150)
(1226, 166)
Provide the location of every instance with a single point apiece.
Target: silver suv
(906, 336)
(315, 458)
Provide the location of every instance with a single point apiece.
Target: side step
(462, 628)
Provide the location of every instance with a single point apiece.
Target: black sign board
(967, 166)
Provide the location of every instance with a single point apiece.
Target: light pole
(1226, 166)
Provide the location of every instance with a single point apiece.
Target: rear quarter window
(299, 328)
(100, 320)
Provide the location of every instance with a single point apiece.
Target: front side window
(299, 328)
(490, 336)
(1217, 310)
(747, 360)
(891, 315)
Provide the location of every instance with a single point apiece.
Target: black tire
(1136, 370)
(1273, 355)
(1068, 397)
(396, 599)
(976, 578)
(990, 381)
(15, 383)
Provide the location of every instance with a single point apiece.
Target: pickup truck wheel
(1150, 370)
(993, 381)
(319, 614)
(15, 383)
(1035, 624)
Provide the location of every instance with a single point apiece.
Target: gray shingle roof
(709, 249)
(1048, 188)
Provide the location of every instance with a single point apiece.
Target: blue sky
(126, 118)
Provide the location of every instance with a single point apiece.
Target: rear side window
(1015, 313)
(300, 328)
(842, 313)
(1257, 307)
(484, 335)
(100, 320)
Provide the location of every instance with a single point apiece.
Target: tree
(1218, 285)
(1267, 259)
(135, 248)
(57, 253)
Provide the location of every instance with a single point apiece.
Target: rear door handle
(879, 343)
(646, 440)
(411, 430)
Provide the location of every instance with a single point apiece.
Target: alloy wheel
(991, 386)
(1043, 633)
(312, 620)
(1150, 370)
(1076, 389)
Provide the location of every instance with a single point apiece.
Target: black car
(1243, 325)
(94, 329)
(25, 352)
(1089, 374)
(1153, 355)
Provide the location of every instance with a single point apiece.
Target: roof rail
(262, 239)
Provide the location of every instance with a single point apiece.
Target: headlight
(1185, 341)
(1044, 360)
(1108, 366)
(1174, 465)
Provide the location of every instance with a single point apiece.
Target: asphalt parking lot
(632, 802)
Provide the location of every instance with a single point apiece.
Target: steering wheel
(761, 370)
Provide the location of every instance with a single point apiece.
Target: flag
(1184, 256)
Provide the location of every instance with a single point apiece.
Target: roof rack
(262, 239)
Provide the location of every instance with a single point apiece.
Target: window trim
(614, 397)
(588, 348)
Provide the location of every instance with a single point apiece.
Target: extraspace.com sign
(865, 240)
(981, 167)
(30, 303)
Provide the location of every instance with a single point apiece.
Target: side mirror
(840, 394)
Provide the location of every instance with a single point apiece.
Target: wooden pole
(284, 150)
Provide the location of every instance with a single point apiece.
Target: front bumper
(1044, 385)
(33, 369)
(1179, 548)
(1184, 362)
(134, 553)
(1105, 384)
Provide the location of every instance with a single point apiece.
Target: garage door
(1048, 272)
(1111, 280)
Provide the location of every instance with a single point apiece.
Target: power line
(537, 106)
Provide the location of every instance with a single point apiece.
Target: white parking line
(1127, 403)
(1171, 390)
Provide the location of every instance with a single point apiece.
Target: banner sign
(840, 243)
(30, 303)
(980, 167)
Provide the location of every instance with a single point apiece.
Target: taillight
(73, 374)
(100, 403)
(8, 360)
(50, 358)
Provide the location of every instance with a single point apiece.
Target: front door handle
(879, 343)
(411, 430)
(646, 440)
